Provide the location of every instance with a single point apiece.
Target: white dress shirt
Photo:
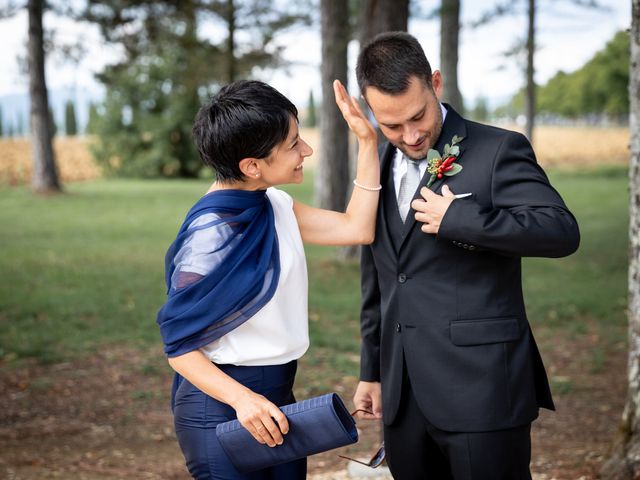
(279, 331)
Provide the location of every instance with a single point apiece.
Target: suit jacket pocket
(484, 331)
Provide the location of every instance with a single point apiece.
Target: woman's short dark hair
(389, 61)
(245, 119)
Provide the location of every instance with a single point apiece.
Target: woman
(235, 321)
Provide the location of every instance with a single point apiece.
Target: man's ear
(250, 167)
(436, 83)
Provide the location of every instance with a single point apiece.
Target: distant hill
(15, 107)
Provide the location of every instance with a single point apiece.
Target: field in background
(571, 147)
(84, 379)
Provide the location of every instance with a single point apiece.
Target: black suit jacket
(452, 304)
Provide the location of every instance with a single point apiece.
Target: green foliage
(83, 280)
(312, 119)
(480, 112)
(154, 94)
(19, 128)
(70, 123)
(598, 87)
(93, 120)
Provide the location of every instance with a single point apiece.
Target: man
(448, 358)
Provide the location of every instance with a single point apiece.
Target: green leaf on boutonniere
(455, 168)
(456, 139)
(447, 150)
(432, 154)
(455, 151)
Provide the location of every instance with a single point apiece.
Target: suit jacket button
(402, 278)
(465, 246)
(398, 328)
(472, 247)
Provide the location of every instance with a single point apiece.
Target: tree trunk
(382, 16)
(449, 33)
(376, 16)
(231, 41)
(45, 175)
(332, 175)
(530, 97)
(624, 462)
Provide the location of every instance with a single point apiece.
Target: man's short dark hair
(245, 119)
(389, 61)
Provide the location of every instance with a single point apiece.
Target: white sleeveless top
(279, 331)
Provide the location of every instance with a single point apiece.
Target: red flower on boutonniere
(439, 166)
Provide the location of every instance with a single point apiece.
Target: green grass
(591, 285)
(85, 269)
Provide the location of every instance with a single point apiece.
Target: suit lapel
(454, 125)
(389, 216)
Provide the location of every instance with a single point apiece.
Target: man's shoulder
(490, 133)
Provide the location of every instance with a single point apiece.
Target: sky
(568, 36)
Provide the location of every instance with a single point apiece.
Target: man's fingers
(419, 205)
(446, 192)
(426, 193)
(366, 416)
(428, 228)
(423, 217)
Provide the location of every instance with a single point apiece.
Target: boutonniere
(439, 166)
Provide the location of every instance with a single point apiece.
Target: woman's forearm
(363, 204)
(206, 376)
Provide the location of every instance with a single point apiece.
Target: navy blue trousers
(197, 414)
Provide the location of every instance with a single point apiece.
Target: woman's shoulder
(279, 198)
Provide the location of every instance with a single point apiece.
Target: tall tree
(379, 16)
(169, 67)
(93, 118)
(449, 40)
(332, 174)
(45, 175)
(530, 89)
(19, 129)
(509, 7)
(624, 463)
(312, 118)
(70, 122)
(53, 125)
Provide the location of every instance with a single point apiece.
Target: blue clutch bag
(316, 425)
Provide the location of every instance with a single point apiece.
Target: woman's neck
(249, 185)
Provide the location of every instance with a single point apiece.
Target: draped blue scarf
(237, 287)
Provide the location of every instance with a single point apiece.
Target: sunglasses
(377, 458)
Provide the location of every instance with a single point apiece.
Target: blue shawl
(237, 287)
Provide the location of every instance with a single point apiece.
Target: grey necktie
(408, 186)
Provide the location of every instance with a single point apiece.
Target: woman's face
(284, 165)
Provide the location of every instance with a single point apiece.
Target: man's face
(412, 120)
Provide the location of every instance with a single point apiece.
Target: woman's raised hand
(353, 114)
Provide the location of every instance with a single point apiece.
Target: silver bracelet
(369, 189)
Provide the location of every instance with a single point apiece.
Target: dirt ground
(107, 417)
